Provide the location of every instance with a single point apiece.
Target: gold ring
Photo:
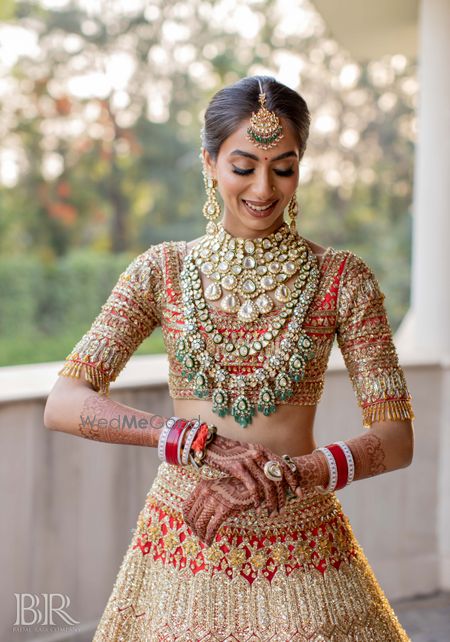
(290, 462)
(272, 470)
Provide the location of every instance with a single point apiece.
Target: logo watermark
(123, 422)
(41, 611)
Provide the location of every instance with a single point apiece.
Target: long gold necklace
(213, 372)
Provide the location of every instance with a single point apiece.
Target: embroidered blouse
(348, 304)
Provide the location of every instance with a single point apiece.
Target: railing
(69, 505)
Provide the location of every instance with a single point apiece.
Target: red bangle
(341, 463)
(172, 442)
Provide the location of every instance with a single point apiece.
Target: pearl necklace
(211, 372)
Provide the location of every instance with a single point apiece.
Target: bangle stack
(198, 436)
(341, 466)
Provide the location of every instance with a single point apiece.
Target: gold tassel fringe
(98, 380)
(394, 409)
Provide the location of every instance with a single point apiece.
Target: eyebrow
(240, 152)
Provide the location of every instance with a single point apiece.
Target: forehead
(238, 140)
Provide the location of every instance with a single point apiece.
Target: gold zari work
(299, 577)
(348, 304)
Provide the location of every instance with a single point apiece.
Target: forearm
(386, 446)
(87, 414)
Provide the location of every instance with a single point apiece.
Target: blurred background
(101, 105)
(101, 108)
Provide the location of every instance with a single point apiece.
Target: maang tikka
(265, 129)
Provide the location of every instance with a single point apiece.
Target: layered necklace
(248, 279)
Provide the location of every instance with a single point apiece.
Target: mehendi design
(313, 470)
(212, 502)
(368, 455)
(245, 461)
(103, 419)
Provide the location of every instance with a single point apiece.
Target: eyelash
(246, 172)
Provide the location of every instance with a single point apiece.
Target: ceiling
(370, 29)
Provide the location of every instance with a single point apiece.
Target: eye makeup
(246, 172)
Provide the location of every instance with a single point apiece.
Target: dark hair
(235, 103)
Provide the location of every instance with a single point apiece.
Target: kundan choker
(244, 273)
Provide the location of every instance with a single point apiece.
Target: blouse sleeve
(130, 314)
(365, 339)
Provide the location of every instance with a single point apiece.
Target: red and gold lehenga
(298, 576)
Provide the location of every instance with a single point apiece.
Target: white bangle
(180, 440)
(163, 437)
(189, 440)
(332, 469)
(350, 461)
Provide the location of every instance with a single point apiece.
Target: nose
(263, 185)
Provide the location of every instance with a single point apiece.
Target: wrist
(183, 441)
(313, 469)
(330, 467)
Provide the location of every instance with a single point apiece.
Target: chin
(239, 222)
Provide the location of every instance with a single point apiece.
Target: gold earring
(293, 213)
(211, 209)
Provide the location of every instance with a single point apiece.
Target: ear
(209, 163)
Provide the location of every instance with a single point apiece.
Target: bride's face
(255, 184)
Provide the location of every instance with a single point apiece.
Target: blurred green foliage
(101, 121)
(46, 308)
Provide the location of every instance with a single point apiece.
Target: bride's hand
(211, 502)
(245, 462)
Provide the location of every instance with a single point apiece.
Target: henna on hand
(368, 455)
(103, 419)
(313, 469)
(212, 502)
(245, 462)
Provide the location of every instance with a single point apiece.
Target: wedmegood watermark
(123, 422)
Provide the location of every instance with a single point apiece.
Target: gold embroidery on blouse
(348, 304)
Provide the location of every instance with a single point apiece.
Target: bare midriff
(289, 430)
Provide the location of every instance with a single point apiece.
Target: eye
(284, 172)
(241, 172)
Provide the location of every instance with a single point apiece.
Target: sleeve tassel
(98, 380)
(394, 409)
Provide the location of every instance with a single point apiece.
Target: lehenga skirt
(299, 576)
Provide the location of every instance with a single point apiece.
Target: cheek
(290, 184)
(231, 185)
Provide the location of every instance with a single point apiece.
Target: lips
(260, 208)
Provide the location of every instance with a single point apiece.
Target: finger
(244, 475)
(203, 520)
(192, 506)
(267, 485)
(299, 491)
(216, 522)
(281, 494)
(292, 478)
